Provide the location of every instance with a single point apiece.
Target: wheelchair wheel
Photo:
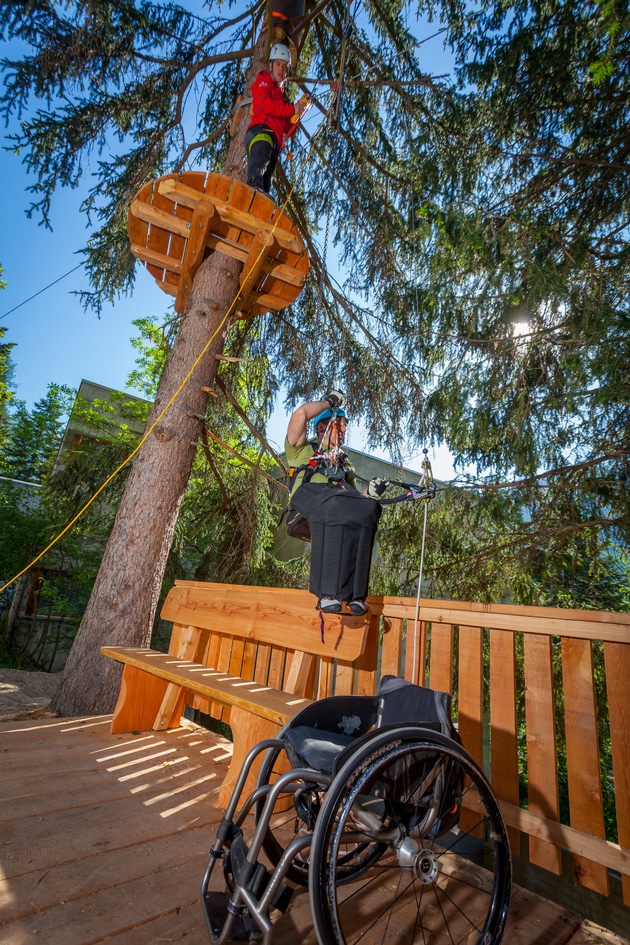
(296, 817)
(445, 875)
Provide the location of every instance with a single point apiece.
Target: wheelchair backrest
(399, 701)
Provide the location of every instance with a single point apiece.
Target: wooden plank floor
(105, 837)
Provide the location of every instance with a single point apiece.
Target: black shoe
(329, 605)
(358, 607)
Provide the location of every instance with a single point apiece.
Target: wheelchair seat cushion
(310, 747)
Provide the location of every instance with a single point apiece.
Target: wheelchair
(386, 820)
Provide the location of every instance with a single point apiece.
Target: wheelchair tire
(286, 825)
(425, 887)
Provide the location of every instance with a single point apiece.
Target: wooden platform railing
(534, 688)
(531, 669)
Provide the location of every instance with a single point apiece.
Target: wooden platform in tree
(176, 221)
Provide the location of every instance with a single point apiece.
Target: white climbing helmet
(279, 51)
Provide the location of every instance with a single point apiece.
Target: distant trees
(33, 436)
(6, 376)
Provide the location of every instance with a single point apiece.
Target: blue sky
(56, 340)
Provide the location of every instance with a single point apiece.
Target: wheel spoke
(386, 911)
(437, 899)
(444, 892)
(462, 901)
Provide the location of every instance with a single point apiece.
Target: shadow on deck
(105, 837)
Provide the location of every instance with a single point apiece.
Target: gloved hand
(376, 487)
(335, 399)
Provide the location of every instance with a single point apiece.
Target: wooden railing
(500, 662)
(535, 689)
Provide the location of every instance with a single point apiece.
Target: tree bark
(122, 606)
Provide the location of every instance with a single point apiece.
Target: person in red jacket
(271, 119)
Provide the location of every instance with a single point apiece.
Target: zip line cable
(417, 612)
(428, 478)
(45, 289)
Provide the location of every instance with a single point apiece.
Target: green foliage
(153, 347)
(6, 391)
(34, 435)
(613, 22)
(6, 377)
(31, 516)
(22, 529)
(493, 544)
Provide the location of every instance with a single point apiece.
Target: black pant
(262, 156)
(343, 525)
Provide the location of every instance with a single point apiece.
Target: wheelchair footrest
(255, 878)
(215, 905)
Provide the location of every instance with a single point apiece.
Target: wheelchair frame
(380, 812)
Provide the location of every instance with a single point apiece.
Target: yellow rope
(175, 395)
(153, 425)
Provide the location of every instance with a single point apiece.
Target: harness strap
(412, 492)
(262, 136)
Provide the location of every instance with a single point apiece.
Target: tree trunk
(121, 609)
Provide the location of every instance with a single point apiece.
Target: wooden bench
(250, 650)
(501, 662)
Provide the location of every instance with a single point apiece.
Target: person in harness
(272, 115)
(342, 520)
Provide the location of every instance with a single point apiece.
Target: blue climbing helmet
(327, 414)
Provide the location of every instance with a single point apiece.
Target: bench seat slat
(271, 704)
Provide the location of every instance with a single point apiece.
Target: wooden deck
(105, 837)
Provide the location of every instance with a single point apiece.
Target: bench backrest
(267, 634)
(273, 615)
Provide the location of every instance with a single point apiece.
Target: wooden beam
(504, 723)
(542, 761)
(268, 703)
(263, 241)
(276, 269)
(583, 761)
(148, 255)
(189, 646)
(299, 671)
(160, 218)
(617, 661)
(189, 197)
(205, 217)
(283, 618)
(585, 625)
(167, 287)
(611, 855)
(271, 302)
